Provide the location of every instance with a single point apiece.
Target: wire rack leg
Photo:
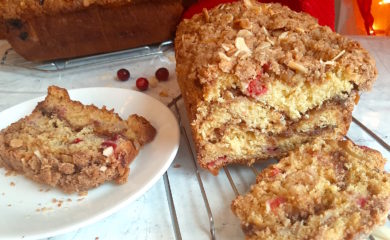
(231, 181)
(200, 182)
(172, 208)
(372, 134)
(173, 103)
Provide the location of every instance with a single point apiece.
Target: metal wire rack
(10, 59)
(175, 108)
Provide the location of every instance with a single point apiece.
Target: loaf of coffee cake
(74, 147)
(324, 190)
(258, 80)
(42, 30)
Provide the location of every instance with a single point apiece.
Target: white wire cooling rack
(175, 108)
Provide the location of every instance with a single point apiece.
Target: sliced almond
(297, 66)
(263, 45)
(248, 3)
(333, 60)
(338, 55)
(223, 57)
(16, 143)
(206, 14)
(37, 153)
(108, 151)
(283, 35)
(270, 41)
(241, 46)
(103, 168)
(225, 47)
(265, 31)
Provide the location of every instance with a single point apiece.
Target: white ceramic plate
(29, 210)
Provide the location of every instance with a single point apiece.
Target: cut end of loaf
(325, 189)
(274, 80)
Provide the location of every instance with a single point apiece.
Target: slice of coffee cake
(74, 147)
(258, 80)
(324, 190)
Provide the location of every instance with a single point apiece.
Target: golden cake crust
(72, 146)
(24, 8)
(42, 30)
(324, 190)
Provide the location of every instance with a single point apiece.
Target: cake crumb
(163, 93)
(96, 238)
(80, 199)
(54, 200)
(44, 209)
(9, 205)
(12, 184)
(47, 189)
(41, 190)
(69, 200)
(176, 165)
(82, 194)
(3, 194)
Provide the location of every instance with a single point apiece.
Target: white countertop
(149, 217)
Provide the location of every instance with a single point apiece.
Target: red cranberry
(77, 140)
(162, 74)
(142, 84)
(123, 74)
(274, 171)
(256, 88)
(265, 67)
(109, 144)
(275, 203)
(362, 202)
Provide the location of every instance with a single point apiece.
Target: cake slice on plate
(72, 146)
(259, 80)
(323, 190)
